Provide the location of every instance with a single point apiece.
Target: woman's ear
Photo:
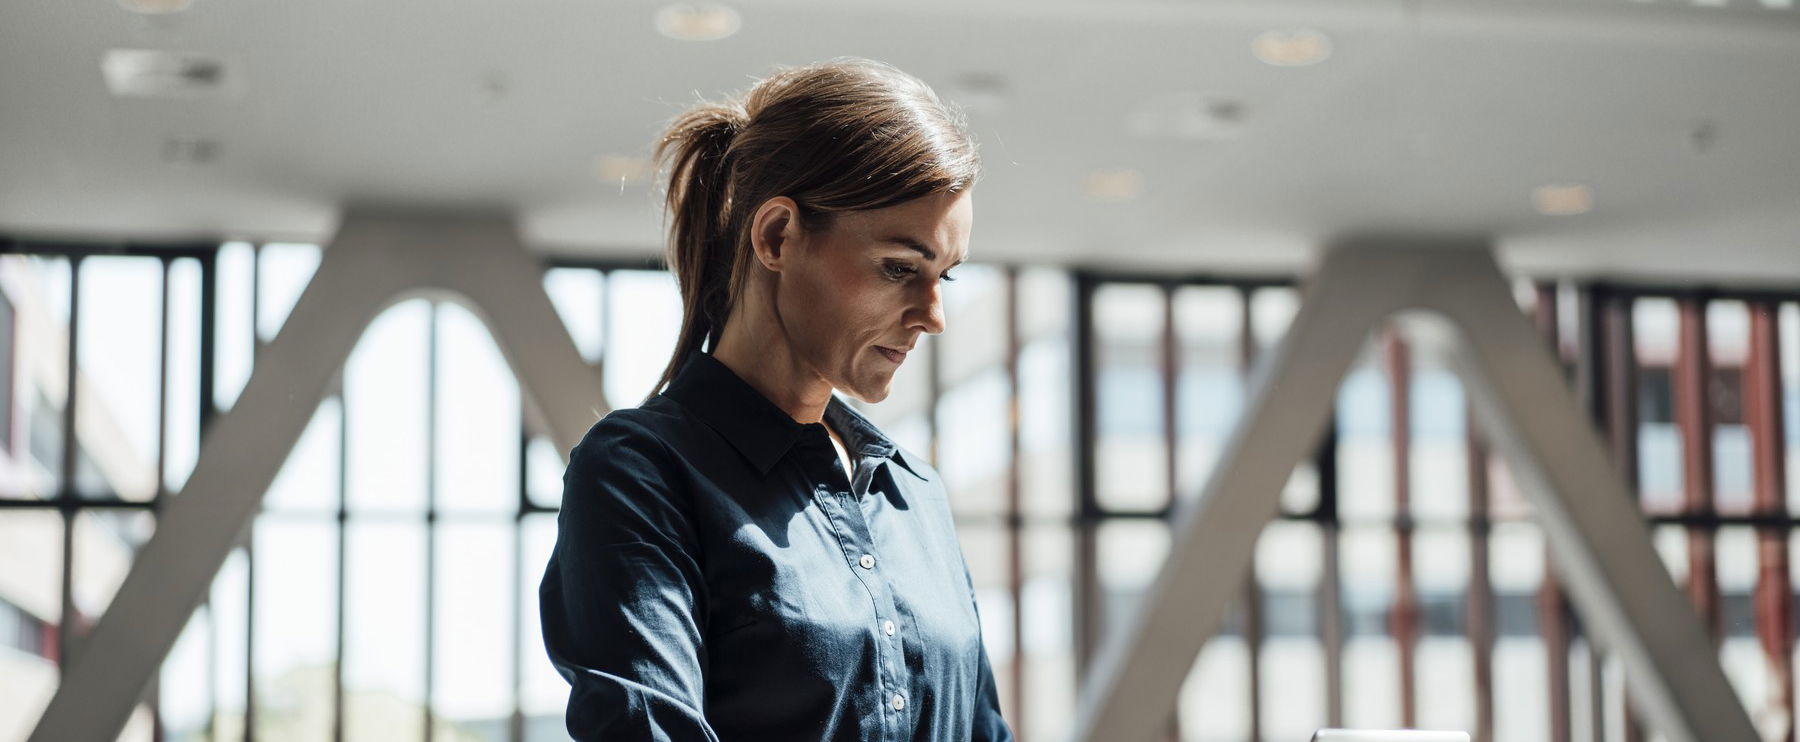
(774, 228)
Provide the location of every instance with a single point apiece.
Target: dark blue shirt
(716, 577)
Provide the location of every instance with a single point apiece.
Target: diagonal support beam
(373, 262)
(1597, 538)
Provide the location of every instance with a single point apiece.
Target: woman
(744, 556)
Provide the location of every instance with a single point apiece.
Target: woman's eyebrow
(918, 246)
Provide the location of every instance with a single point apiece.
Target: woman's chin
(872, 391)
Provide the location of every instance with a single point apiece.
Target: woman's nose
(930, 317)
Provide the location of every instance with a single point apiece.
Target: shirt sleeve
(622, 591)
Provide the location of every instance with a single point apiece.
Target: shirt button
(867, 562)
(888, 626)
(899, 702)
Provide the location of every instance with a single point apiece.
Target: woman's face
(857, 296)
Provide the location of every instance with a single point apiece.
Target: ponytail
(701, 250)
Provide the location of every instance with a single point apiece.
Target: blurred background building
(1158, 176)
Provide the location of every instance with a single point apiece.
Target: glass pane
(286, 268)
(472, 676)
(38, 298)
(1505, 500)
(1046, 304)
(1214, 703)
(308, 480)
(385, 393)
(31, 562)
(1671, 544)
(1445, 660)
(119, 351)
(1654, 330)
(1131, 457)
(1210, 393)
(231, 648)
(1046, 299)
(1300, 496)
(642, 319)
(1272, 310)
(31, 607)
(105, 543)
(544, 472)
(30, 610)
(1046, 432)
(1740, 653)
(181, 429)
(1365, 449)
(544, 695)
(974, 338)
(1516, 567)
(185, 693)
(478, 417)
(1438, 460)
(577, 294)
(984, 549)
(975, 448)
(384, 647)
(1131, 554)
(1289, 561)
(296, 626)
(235, 347)
(1371, 657)
(1728, 335)
(1049, 631)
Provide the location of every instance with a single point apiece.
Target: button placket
(851, 524)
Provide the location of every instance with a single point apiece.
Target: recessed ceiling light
(155, 7)
(697, 21)
(1296, 47)
(154, 73)
(1114, 185)
(1187, 116)
(1563, 199)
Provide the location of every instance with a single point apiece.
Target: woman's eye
(947, 276)
(900, 270)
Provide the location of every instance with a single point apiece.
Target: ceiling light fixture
(154, 73)
(1295, 47)
(697, 21)
(1563, 199)
(1188, 116)
(1114, 185)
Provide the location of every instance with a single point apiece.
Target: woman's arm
(621, 594)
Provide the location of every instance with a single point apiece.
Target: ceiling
(1682, 118)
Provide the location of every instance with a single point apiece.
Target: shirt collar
(757, 427)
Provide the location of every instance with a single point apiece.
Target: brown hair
(849, 134)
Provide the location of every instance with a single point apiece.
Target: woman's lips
(892, 355)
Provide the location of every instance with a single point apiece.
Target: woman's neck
(755, 348)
